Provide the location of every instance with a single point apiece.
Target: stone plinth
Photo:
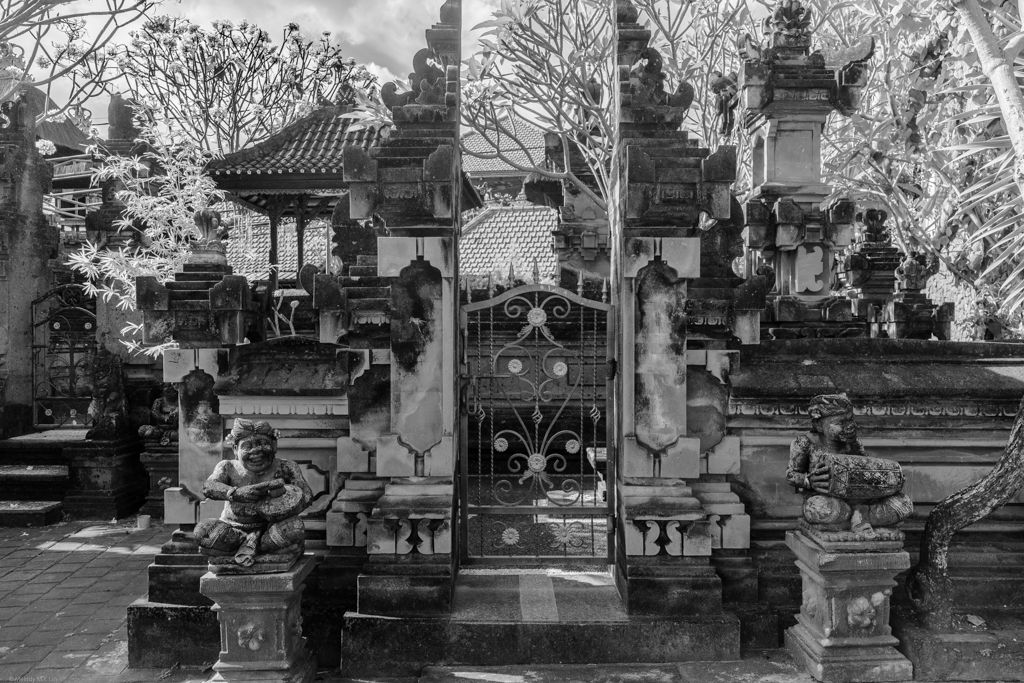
(107, 478)
(161, 463)
(261, 626)
(842, 633)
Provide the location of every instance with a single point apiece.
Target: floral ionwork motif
(250, 636)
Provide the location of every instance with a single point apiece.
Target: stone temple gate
(628, 425)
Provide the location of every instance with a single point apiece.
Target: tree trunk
(929, 584)
(999, 69)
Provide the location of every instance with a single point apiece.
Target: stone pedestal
(107, 479)
(842, 633)
(161, 463)
(261, 626)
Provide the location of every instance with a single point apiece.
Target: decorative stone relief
(250, 636)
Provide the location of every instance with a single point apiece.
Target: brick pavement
(64, 592)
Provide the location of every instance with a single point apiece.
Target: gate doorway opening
(63, 346)
(536, 480)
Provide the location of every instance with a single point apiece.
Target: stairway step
(22, 513)
(366, 260)
(33, 473)
(362, 271)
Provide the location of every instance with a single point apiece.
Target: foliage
(929, 145)
(51, 35)
(551, 62)
(228, 87)
(156, 213)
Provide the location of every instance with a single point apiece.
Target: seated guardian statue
(844, 489)
(259, 530)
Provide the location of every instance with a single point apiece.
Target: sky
(382, 34)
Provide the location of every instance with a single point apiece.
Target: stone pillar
(413, 183)
(787, 94)
(664, 182)
(27, 243)
(842, 633)
(261, 626)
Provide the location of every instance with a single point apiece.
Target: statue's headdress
(830, 405)
(246, 428)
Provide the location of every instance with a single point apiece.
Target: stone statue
(260, 530)
(845, 489)
(107, 409)
(164, 415)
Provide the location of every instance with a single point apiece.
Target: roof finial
(536, 272)
(579, 283)
(490, 285)
(604, 290)
(511, 275)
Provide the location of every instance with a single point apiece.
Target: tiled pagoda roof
(311, 145)
(504, 235)
(531, 137)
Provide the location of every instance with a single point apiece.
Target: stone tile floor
(64, 590)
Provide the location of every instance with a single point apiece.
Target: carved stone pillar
(261, 626)
(842, 633)
(409, 532)
(787, 93)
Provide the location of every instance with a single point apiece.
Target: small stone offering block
(842, 633)
(261, 626)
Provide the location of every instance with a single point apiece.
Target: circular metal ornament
(515, 366)
(510, 536)
(560, 369)
(536, 462)
(537, 317)
(501, 444)
(572, 446)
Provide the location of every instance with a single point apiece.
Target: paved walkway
(64, 591)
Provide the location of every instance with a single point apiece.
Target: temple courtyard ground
(64, 591)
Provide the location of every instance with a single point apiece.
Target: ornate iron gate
(63, 346)
(535, 429)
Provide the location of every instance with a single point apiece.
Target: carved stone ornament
(250, 636)
(108, 410)
(647, 83)
(789, 18)
(163, 427)
(259, 531)
(426, 84)
(846, 492)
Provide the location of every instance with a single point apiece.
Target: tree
(230, 87)
(551, 62)
(53, 36)
(156, 210)
(929, 584)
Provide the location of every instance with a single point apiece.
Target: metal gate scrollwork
(534, 429)
(63, 346)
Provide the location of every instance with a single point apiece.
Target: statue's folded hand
(246, 494)
(821, 478)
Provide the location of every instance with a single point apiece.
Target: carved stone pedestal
(261, 626)
(107, 479)
(842, 633)
(161, 463)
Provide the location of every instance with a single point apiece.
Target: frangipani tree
(48, 43)
(229, 86)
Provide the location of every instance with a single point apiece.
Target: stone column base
(842, 633)
(669, 587)
(842, 664)
(261, 626)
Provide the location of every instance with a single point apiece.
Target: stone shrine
(465, 450)
(848, 550)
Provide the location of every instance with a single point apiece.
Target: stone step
(363, 281)
(770, 666)
(369, 304)
(23, 513)
(190, 295)
(191, 285)
(368, 293)
(361, 271)
(33, 482)
(205, 268)
(505, 617)
(366, 259)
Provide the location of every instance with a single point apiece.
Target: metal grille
(534, 459)
(63, 345)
